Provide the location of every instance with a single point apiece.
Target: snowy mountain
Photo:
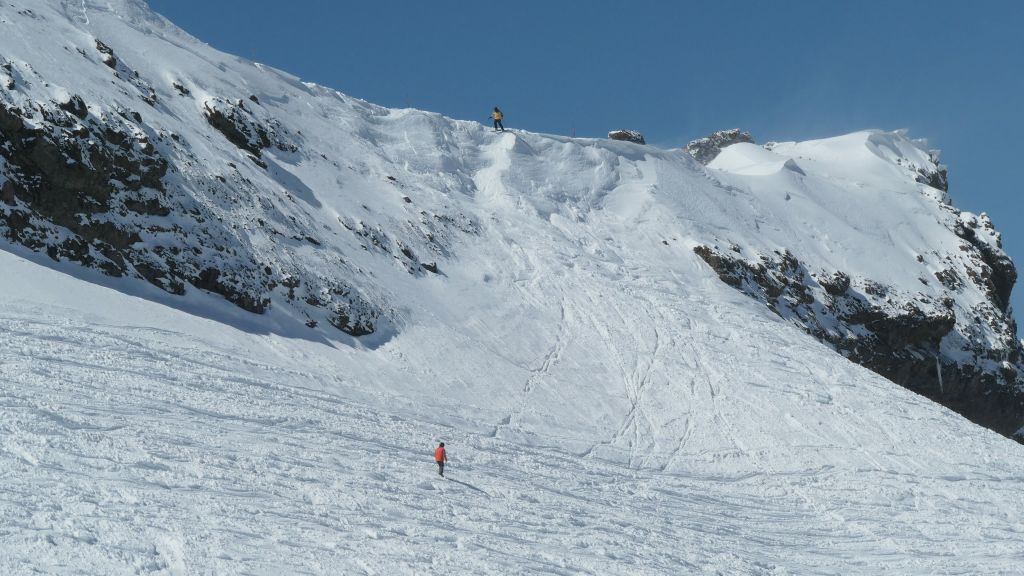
(240, 310)
(881, 266)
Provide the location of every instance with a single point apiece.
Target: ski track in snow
(129, 449)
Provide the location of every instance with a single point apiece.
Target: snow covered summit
(240, 310)
(864, 250)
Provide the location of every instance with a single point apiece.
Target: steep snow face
(397, 278)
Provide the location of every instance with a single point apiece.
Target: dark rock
(7, 193)
(950, 279)
(107, 54)
(210, 279)
(351, 321)
(900, 343)
(76, 106)
(627, 136)
(999, 274)
(148, 206)
(237, 126)
(73, 183)
(729, 270)
(64, 176)
(836, 284)
(707, 149)
(934, 175)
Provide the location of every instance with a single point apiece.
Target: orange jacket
(440, 455)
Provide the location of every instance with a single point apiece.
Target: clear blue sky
(950, 71)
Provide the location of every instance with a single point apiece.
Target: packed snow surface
(140, 439)
(609, 406)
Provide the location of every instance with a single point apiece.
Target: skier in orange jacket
(440, 456)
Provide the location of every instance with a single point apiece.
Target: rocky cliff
(949, 336)
(148, 169)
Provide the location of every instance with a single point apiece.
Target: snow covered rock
(151, 170)
(993, 270)
(627, 136)
(706, 149)
(107, 54)
(244, 129)
(948, 335)
(934, 173)
(65, 172)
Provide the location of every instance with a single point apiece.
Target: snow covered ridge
(949, 335)
(159, 168)
(132, 148)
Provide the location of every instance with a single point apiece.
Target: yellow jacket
(497, 115)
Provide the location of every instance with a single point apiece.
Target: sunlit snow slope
(610, 406)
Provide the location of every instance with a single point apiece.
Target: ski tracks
(543, 370)
(635, 349)
(196, 459)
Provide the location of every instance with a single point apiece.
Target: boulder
(627, 136)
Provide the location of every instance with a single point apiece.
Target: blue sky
(787, 70)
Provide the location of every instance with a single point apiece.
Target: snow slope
(610, 406)
(140, 439)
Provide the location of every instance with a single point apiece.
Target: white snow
(139, 438)
(610, 406)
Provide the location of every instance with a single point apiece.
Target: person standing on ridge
(497, 116)
(440, 456)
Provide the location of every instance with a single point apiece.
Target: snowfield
(138, 438)
(610, 406)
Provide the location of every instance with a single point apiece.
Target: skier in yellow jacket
(497, 116)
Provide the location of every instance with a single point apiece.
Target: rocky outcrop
(911, 339)
(70, 170)
(995, 271)
(934, 175)
(627, 136)
(106, 54)
(706, 149)
(243, 128)
(94, 189)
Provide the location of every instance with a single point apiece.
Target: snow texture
(609, 405)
